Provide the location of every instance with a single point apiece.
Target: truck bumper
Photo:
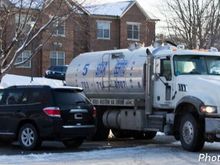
(212, 125)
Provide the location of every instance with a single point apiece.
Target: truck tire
(102, 131)
(191, 133)
(148, 135)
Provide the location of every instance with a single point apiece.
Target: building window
(103, 29)
(59, 28)
(57, 58)
(24, 22)
(26, 54)
(133, 31)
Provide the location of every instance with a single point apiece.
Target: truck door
(163, 84)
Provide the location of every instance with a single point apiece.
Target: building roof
(109, 9)
(118, 8)
(39, 4)
(115, 9)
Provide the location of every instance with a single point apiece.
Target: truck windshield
(194, 64)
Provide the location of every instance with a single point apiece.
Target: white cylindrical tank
(109, 74)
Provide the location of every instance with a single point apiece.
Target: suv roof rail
(30, 86)
(79, 89)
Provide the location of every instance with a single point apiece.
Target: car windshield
(67, 97)
(195, 64)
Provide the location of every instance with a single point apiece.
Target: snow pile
(10, 80)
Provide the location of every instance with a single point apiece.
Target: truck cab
(187, 83)
(179, 73)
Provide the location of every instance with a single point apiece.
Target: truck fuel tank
(109, 74)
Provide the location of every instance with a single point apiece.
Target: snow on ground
(10, 79)
(150, 154)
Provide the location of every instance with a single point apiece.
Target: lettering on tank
(120, 68)
(101, 68)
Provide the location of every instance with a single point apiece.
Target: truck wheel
(191, 134)
(28, 137)
(148, 135)
(73, 143)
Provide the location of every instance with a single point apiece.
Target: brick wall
(104, 44)
(58, 43)
(81, 36)
(8, 35)
(34, 71)
(146, 28)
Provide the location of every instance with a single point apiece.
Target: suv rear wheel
(73, 143)
(28, 137)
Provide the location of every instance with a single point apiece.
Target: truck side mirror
(155, 77)
(157, 69)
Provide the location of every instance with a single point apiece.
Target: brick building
(95, 27)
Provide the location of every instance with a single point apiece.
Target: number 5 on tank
(85, 69)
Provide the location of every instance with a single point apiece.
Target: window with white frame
(24, 21)
(59, 27)
(57, 58)
(26, 54)
(133, 31)
(103, 29)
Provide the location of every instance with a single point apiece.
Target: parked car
(31, 114)
(56, 72)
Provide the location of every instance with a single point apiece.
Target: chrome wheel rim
(188, 132)
(27, 137)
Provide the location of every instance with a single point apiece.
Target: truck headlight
(208, 109)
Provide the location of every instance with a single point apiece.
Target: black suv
(31, 114)
(56, 72)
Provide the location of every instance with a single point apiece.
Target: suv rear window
(69, 97)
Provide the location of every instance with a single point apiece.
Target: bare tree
(21, 27)
(196, 23)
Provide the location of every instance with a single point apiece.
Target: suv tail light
(94, 112)
(52, 111)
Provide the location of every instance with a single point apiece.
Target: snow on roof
(11, 80)
(118, 8)
(109, 9)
